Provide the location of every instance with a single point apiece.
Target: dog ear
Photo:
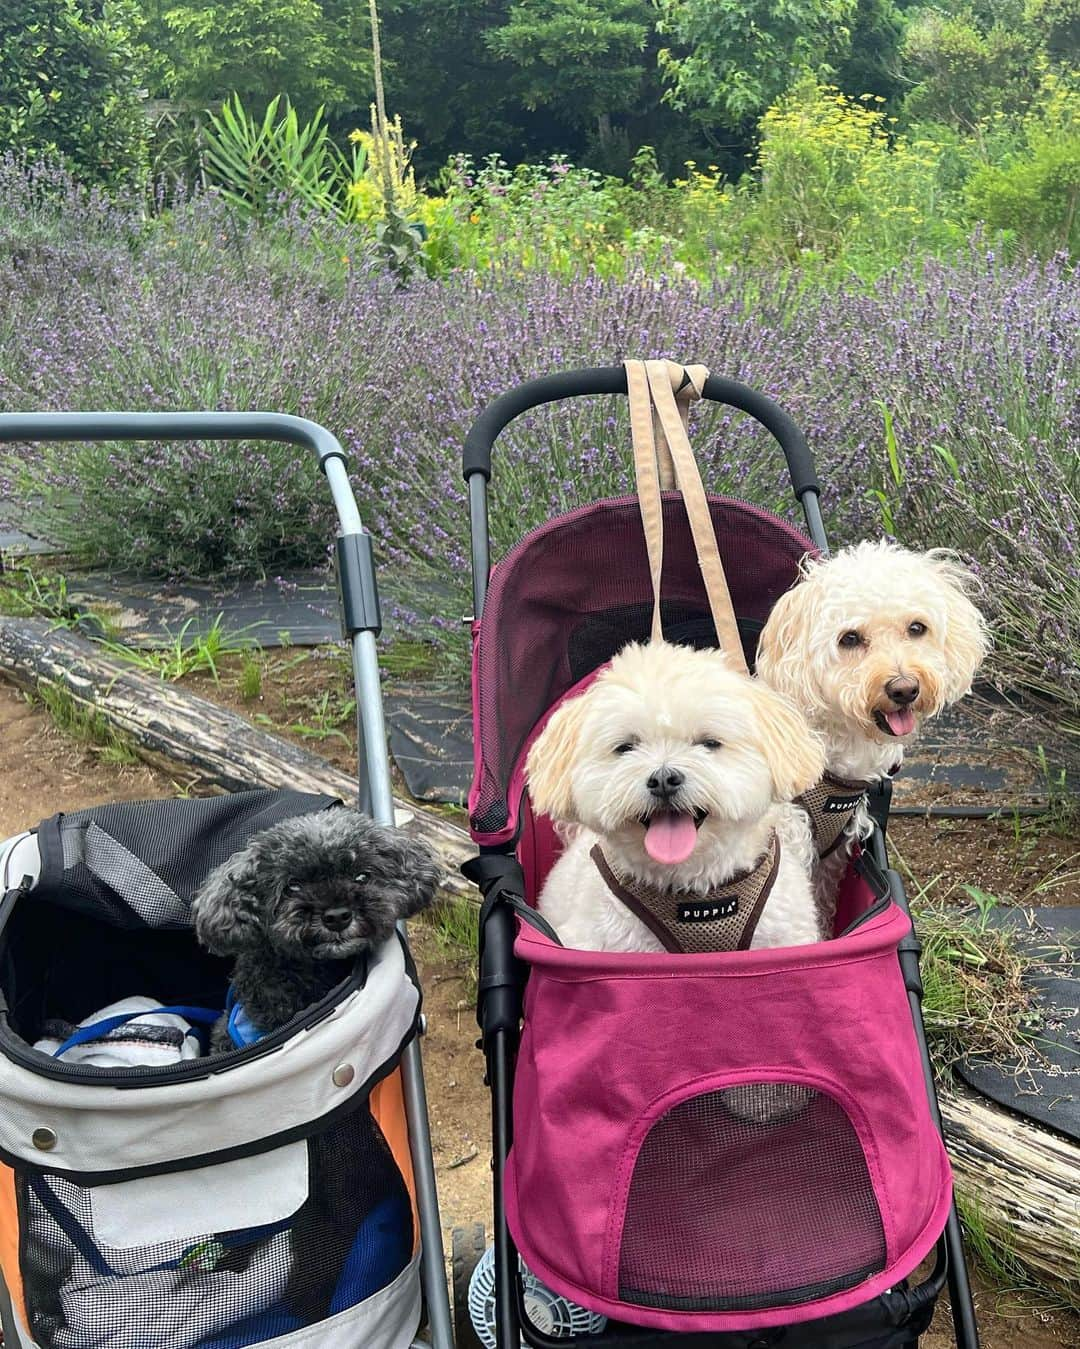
(784, 660)
(418, 876)
(549, 768)
(226, 908)
(795, 755)
(967, 639)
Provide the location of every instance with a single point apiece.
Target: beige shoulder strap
(660, 393)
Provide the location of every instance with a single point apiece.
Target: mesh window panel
(756, 1196)
(574, 591)
(225, 1289)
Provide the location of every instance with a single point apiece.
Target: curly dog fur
(870, 644)
(304, 897)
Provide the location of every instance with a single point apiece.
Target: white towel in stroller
(151, 1039)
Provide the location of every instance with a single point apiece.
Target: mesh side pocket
(225, 1289)
(752, 1197)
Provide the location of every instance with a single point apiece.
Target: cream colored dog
(667, 776)
(869, 644)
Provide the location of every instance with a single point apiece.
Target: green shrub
(835, 182)
(69, 85)
(1035, 194)
(208, 50)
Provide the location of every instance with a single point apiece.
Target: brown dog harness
(723, 919)
(831, 806)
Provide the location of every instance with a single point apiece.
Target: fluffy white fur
(667, 701)
(914, 620)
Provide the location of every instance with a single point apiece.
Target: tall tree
(967, 65)
(583, 60)
(70, 77)
(451, 89)
(872, 64)
(316, 53)
(729, 59)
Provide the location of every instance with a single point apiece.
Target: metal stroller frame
(362, 623)
(499, 1008)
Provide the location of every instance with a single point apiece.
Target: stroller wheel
(469, 1244)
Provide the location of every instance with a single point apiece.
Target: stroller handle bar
(356, 568)
(612, 379)
(476, 457)
(16, 426)
(359, 596)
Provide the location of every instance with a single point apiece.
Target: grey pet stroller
(281, 1195)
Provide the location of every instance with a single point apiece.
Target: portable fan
(548, 1311)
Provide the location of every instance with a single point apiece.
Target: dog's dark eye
(625, 747)
(916, 629)
(360, 877)
(851, 639)
(710, 743)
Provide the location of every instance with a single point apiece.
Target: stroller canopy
(576, 590)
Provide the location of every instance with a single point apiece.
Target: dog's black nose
(902, 690)
(337, 920)
(665, 782)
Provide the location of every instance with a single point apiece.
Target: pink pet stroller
(736, 1149)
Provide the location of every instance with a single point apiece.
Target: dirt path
(43, 771)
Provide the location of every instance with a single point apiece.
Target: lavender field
(941, 401)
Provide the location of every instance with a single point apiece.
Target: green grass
(993, 1253)
(249, 682)
(183, 654)
(455, 923)
(321, 715)
(406, 658)
(88, 725)
(1063, 807)
(974, 997)
(26, 593)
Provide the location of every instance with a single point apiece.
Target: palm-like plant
(259, 165)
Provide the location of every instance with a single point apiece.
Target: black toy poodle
(300, 899)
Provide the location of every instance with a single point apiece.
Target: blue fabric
(255, 1329)
(380, 1252)
(97, 1029)
(242, 1030)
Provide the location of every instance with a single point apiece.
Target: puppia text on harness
(723, 919)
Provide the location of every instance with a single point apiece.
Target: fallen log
(1023, 1183)
(165, 724)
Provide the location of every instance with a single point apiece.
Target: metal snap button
(343, 1074)
(44, 1139)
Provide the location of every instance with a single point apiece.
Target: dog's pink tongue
(902, 721)
(670, 838)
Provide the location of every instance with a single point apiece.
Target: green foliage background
(973, 103)
(70, 85)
